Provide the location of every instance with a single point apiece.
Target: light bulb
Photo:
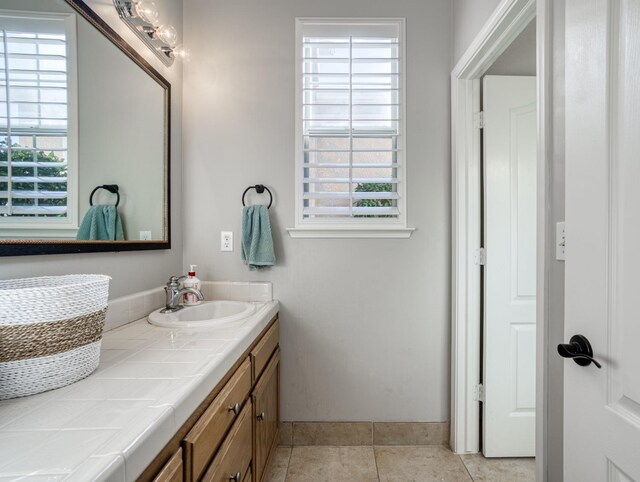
(182, 53)
(147, 11)
(168, 34)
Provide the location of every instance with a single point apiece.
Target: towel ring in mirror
(112, 188)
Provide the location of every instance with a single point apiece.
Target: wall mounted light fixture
(142, 17)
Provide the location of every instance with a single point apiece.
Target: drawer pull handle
(261, 416)
(234, 408)
(236, 477)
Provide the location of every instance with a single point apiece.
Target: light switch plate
(561, 241)
(226, 241)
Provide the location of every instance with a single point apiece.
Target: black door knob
(580, 350)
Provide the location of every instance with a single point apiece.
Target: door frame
(505, 24)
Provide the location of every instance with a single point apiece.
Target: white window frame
(349, 228)
(56, 227)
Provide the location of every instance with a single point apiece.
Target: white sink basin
(206, 314)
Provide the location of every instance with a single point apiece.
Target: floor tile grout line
(465, 467)
(375, 460)
(286, 470)
(373, 448)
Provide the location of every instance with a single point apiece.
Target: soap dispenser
(192, 281)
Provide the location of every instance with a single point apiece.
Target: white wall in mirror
(124, 144)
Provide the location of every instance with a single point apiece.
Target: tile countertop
(112, 424)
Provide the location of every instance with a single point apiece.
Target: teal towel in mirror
(101, 223)
(257, 241)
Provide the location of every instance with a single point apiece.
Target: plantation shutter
(33, 117)
(351, 121)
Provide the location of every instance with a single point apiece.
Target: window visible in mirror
(38, 159)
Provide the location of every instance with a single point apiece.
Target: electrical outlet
(226, 241)
(561, 241)
(145, 235)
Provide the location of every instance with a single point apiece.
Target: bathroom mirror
(84, 135)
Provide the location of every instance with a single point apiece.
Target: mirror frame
(37, 247)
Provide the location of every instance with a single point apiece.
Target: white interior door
(602, 406)
(509, 380)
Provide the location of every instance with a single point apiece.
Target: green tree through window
(28, 155)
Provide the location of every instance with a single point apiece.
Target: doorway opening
(495, 132)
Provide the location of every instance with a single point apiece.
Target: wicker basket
(50, 331)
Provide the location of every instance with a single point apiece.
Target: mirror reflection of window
(35, 161)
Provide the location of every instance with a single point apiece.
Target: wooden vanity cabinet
(234, 457)
(173, 470)
(233, 433)
(202, 442)
(261, 353)
(266, 410)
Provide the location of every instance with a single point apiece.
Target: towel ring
(260, 188)
(112, 188)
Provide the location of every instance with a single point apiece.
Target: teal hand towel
(257, 241)
(101, 223)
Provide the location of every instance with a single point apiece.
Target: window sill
(38, 233)
(326, 232)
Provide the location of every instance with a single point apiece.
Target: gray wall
(132, 271)
(520, 56)
(365, 323)
(469, 16)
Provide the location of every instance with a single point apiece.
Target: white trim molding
(545, 243)
(506, 23)
(351, 232)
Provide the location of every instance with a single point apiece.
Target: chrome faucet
(174, 294)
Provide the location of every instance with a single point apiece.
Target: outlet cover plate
(226, 241)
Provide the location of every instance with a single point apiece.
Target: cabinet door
(266, 402)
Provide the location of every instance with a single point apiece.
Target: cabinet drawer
(172, 471)
(262, 352)
(234, 457)
(205, 437)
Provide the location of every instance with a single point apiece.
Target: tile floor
(392, 463)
